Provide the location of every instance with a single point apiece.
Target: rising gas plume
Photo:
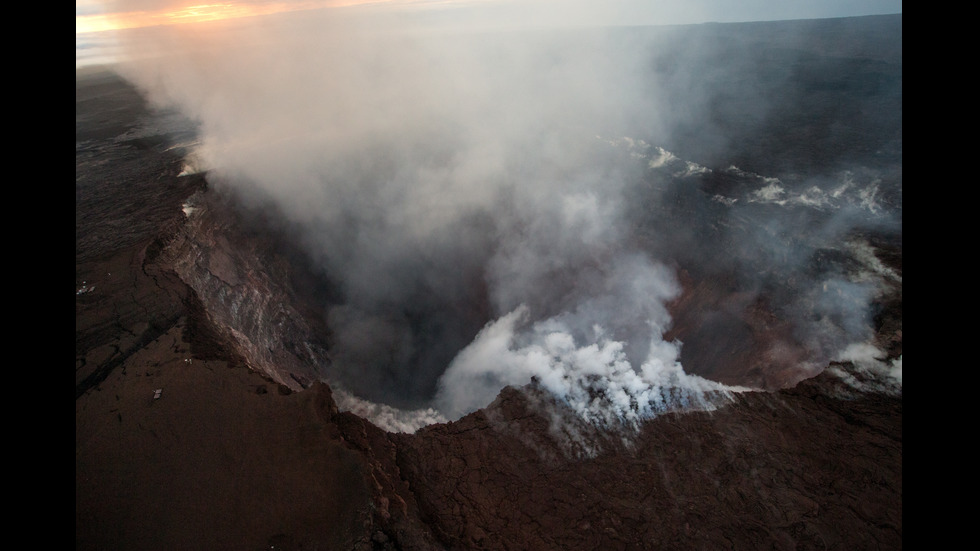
(496, 204)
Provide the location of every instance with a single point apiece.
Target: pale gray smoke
(469, 193)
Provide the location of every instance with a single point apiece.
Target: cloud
(460, 193)
(870, 370)
(593, 376)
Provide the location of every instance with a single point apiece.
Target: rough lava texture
(238, 282)
(798, 469)
(195, 430)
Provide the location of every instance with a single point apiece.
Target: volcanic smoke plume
(490, 206)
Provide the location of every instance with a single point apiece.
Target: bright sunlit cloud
(190, 12)
(94, 15)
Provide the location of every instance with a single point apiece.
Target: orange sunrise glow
(197, 13)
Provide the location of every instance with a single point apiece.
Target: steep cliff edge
(243, 285)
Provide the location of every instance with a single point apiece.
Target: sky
(93, 15)
(97, 22)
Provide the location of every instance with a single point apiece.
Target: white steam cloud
(451, 187)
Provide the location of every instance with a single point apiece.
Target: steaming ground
(487, 210)
(826, 274)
